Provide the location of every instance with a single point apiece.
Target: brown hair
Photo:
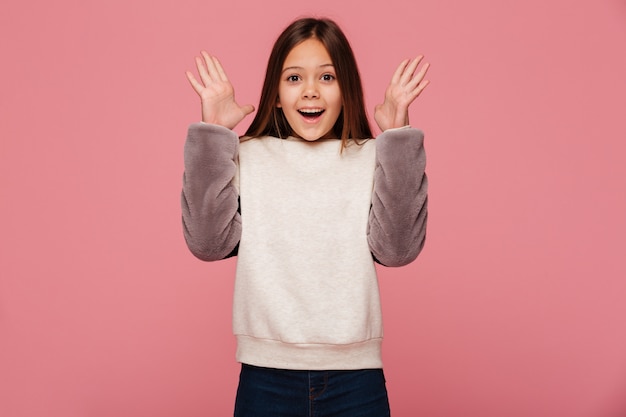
(352, 122)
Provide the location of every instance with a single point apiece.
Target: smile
(311, 113)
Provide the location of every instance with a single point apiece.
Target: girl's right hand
(217, 94)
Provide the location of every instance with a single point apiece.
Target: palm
(405, 86)
(217, 94)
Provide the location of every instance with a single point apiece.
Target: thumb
(247, 109)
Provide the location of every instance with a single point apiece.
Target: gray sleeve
(210, 200)
(397, 221)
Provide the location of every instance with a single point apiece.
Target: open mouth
(311, 113)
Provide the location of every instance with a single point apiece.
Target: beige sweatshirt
(307, 223)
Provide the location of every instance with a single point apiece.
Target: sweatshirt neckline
(296, 139)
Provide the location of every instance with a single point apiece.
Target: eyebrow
(301, 68)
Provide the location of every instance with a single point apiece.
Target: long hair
(352, 122)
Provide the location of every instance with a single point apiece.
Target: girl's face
(308, 92)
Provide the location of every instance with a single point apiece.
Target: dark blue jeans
(265, 392)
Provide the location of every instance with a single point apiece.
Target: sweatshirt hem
(309, 356)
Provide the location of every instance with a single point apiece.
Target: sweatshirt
(307, 222)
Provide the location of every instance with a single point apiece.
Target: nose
(310, 90)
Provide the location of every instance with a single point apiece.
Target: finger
(418, 77)
(421, 87)
(247, 109)
(194, 83)
(220, 69)
(210, 66)
(395, 79)
(410, 70)
(204, 75)
(422, 72)
(418, 90)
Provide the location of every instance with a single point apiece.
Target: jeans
(265, 392)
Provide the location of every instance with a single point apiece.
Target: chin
(312, 137)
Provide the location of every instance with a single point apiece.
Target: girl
(308, 204)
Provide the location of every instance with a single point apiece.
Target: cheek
(337, 94)
(286, 97)
(283, 95)
(337, 99)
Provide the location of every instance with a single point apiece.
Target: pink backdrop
(516, 307)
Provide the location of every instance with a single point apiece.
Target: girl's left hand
(406, 84)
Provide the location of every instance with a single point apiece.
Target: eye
(328, 77)
(293, 78)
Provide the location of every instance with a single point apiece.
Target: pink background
(517, 306)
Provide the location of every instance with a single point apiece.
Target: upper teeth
(311, 110)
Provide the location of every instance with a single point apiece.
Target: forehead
(308, 53)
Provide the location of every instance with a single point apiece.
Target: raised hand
(216, 93)
(406, 84)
